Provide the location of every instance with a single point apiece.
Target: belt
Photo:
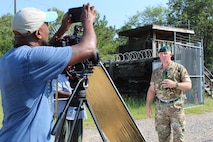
(168, 101)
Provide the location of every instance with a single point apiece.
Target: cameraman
(27, 68)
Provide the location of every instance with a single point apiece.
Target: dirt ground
(199, 128)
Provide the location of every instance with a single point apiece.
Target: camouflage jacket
(175, 72)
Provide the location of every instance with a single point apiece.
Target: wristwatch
(176, 86)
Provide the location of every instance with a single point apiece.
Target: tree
(106, 41)
(151, 15)
(198, 15)
(6, 34)
(177, 15)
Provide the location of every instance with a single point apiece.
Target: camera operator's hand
(65, 26)
(66, 21)
(86, 48)
(88, 14)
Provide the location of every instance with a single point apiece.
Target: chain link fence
(189, 52)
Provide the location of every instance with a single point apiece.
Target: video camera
(84, 67)
(76, 14)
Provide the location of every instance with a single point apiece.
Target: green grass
(199, 109)
(138, 110)
(136, 107)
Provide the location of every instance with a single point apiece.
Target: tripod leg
(96, 122)
(58, 126)
(75, 119)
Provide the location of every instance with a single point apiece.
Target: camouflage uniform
(169, 116)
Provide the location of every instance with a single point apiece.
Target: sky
(117, 12)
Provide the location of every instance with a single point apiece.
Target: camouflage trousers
(170, 121)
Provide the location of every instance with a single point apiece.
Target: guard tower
(132, 67)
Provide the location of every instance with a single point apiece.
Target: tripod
(80, 90)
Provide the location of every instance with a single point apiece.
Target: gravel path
(199, 128)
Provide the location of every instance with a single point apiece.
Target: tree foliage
(196, 15)
(151, 15)
(106, 41)
(6, 34)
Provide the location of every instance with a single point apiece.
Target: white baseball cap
(28, 20)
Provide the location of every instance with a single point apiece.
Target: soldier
(167, 85)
